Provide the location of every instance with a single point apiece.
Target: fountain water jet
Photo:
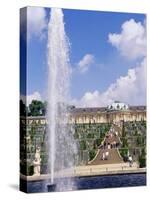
(61, 147)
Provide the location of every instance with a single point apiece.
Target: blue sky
(89, 34)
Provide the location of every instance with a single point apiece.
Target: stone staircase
(108, 151)
(112, 158)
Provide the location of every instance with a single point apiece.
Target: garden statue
(37, 162)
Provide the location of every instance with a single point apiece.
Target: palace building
(115, 112)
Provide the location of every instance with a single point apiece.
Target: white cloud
(36, 22)
(85, 63)
(35, 96)
(131, 42)
(130, 89)
(28, 99)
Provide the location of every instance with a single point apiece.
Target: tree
(37, 108)
(123, 129)
(44, 108)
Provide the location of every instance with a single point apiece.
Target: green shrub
(30, 170)
(26, 169)
(124, 142)
(92, 154)
(124, 153)
(98, 141)
(76, 135)
(139, 141)
(90, 135)
(83, 145)
(142, 161)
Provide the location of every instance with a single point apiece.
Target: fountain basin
(89, 182)
(51, 187)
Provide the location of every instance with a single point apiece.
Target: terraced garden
(134, 141)
(88, 138)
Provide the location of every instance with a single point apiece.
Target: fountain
(61, 144)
